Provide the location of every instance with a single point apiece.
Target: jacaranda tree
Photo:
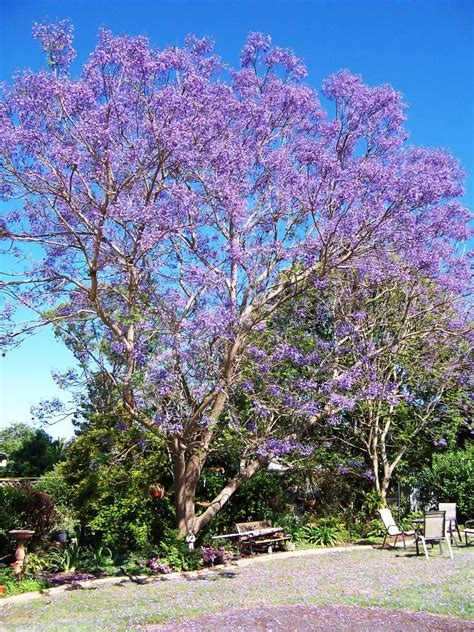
(167, 206)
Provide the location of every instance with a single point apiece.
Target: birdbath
(20, 536)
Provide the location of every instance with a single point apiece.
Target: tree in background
(174, 209)
(30, 451)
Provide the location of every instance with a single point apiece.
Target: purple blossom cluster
(156, 566)
(211, 555)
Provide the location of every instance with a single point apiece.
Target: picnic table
(257, 536)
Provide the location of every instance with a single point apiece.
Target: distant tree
(30, 451)
(174, 209)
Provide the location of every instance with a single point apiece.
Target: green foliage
(109, 469)
(97, 559)
(374, 529)
(372, 501)
(13, 502)
(75, 557)
(63, 560)
(122, 523)
(57, 488)
(35, 563)
(324, 533)
(449, 479)
(175, 552)
(17, 587)
(30, 452)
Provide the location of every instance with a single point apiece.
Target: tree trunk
(226, 492)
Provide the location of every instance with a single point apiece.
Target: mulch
(305, 618)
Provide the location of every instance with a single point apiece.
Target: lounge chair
(392, 529)
(434, 530)
(451, 519)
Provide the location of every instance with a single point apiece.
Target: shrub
(65, 560)
(211, 555)
(24, 509)
(449, 479)
(320, 534)
(122, 525)
(156, 565)
(176, 553)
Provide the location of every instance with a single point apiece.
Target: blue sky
(423, 48)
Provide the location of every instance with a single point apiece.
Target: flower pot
(61, 537)
(3, 589)
(156, 491)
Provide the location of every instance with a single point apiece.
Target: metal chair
(469, 530)
(451, 520)
(434, 531)
(392, 529)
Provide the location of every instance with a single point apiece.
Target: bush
(176, 554)
(156, 566)
(450, 479)
(26, 508)
(211, 555)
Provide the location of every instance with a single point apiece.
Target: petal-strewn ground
(318, 618)
(364, 578)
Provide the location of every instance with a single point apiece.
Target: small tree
(172, 209)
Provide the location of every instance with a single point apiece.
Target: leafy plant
(35, 563)
(374, 529)
(176, 553)
(319, 534)
(16, 587)
(65, 559)
(96, 559)
(449, 479)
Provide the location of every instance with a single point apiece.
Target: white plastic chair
(392, 528)
(451, 520)
(434, 531)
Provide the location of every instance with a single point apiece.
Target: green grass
(387, 578)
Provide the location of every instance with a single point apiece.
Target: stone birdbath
(20, 536)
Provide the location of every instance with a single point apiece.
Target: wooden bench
(261, 536)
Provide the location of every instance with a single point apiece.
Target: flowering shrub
(211, 556)
(157, 566)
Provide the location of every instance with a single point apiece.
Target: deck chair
(392, 529)
(434, 531)
(451, 519)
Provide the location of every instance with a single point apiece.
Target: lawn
(388, 579)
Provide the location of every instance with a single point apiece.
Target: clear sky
(424, 48)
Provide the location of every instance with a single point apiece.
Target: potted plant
(66, 523)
